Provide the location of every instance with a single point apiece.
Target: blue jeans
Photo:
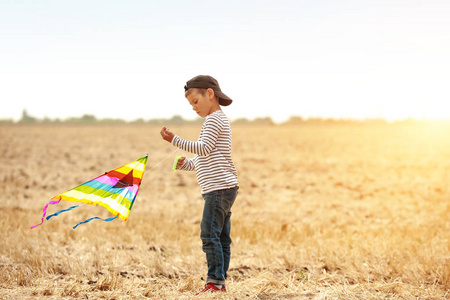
(215, 232)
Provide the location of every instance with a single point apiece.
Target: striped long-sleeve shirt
(212, 162)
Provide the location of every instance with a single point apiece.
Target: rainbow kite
(115, 191)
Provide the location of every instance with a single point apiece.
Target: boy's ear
(212, 94)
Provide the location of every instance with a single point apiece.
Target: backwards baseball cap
(208, 82)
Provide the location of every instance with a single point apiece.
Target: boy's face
(203, 105)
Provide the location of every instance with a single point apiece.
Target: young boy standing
(215, 172)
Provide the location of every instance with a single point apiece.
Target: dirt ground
(324, 211)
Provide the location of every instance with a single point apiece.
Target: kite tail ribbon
(88, 220)
(61, 211)
(45, 212)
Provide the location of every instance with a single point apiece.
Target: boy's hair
(198, 90)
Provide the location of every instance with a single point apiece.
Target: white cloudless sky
(130, 59)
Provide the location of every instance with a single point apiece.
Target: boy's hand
(180, 162)
(167, 134)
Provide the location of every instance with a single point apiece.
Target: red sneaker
(211, 288)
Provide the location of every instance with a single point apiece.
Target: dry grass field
(323, 212)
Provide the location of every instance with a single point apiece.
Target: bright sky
(130, 59)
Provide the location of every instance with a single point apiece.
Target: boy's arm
(188, 165)
(184, 163)
(211, 130)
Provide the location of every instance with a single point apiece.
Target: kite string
(161, 161)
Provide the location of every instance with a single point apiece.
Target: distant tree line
(91, 119)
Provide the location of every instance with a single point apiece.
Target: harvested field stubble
(323, 212)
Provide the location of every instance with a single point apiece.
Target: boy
(215, 172)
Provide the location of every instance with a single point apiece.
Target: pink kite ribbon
(45, 212)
